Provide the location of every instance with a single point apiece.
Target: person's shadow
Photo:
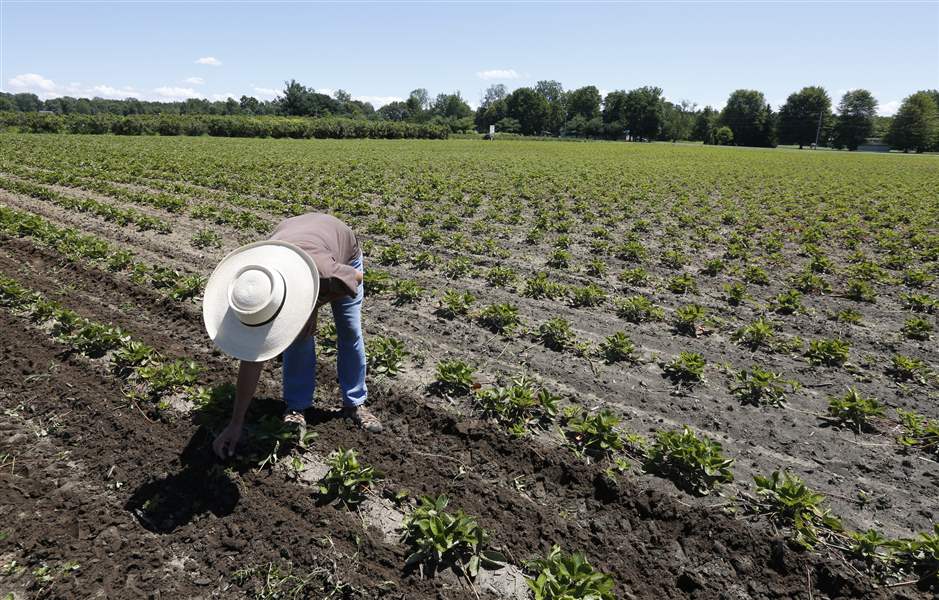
(164, 504)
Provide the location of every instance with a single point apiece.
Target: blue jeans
(300, 357)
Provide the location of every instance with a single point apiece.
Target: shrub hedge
(220, 126)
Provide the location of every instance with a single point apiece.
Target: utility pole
(819, 130)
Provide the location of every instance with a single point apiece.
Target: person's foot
(363, 418)
(295, 420)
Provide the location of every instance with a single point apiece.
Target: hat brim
(257, 343)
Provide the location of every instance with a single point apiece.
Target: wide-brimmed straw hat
(259, 298)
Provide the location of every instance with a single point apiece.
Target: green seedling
(588, 295)
(760, 387)
(592, 434)
(385, 355)
(917, 328)
(439, 539)
(906, 368)
(735, 293)
(561, 576)
(919, 432)
(637, 309)
(557, 334)
(454, 377)
(854, 410)
(539, 286)
(407, 291)
(455, 304)
(694, 464)
(790, 502)
(617, 348)
(519, 406)
(688, 319)
(347, 480)
(687, 367)
(499, 318)
(830, 353)
(787, 303)
(501, 276)
(683, 284)
(756, 335)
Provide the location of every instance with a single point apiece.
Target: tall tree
(418, 102)
(916, 124)
(750, 118)
(678, 120)
(395, 111)
(451, 106)
(553, 92)
(494, 93)
(802, 114)
(856, 113)
(705, 122)
(644, 112)
(614, 113)
(585, 102)
(529, 108)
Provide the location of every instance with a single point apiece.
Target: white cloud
(209, 60)
(378, 101)
(888, 109)
(265, 93)
(498, 74)
(328, 91)
(224, 97)
(194, 80)
(174, 94)
(31, 82)
(107, 91)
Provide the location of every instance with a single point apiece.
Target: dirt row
(653, 545)
(869, 482)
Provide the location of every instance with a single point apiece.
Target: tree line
(547, 109)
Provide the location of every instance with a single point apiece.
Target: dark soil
(79, 494)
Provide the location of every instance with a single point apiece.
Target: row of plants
(178, 285)
(149, 375)
(108, 212)
(438, 538)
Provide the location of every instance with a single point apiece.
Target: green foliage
(907, 368)
(499, 318)
(638, 277)
(683, 284)
(758, 334)
(618, 347)
(593, 434)
(588, 295)
(694, 464)
(919, 432)
(687, 367)
(830, 353)
(557, 334)
(539, 286)
(454, 377)
(756, 275)
(735, 293)
(519, 406)
(457, 267)
(501, 276)
(637, 309)
(407, 291)
(377, 281)
(688, 319)
(385, 355)
(860, 291)
(760, 387)
(455, 304)
(561, 576)
(788, 302)
(439, 539)
(206, 238)
(854, 410)
(921, 303)
(790, 502)
(917, 328)
(348, 479)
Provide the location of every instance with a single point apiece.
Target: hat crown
(256, 294)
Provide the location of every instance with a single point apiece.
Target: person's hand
(226, 442)
(359, 276)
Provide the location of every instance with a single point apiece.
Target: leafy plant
(439, 539)
(688, 319)
(593, 434)
(854, 410)
(919, 432)
(617, 347)
(907, 368)
(561, 576)
(831, 353)
(760, 387)
(735, 293)
(499, 318)
(687, 367)
(683, 284)
(755, 274)
(454, 377)
(206, 238)
(385, 355)
(455, 304)
(637, 276)
(917, 328)
(539, 286)
(518, 406)
(501, 276)
(848, 315)
(695, 464)
(921, 303)
(861, 291)
(348, 479)
(557, 334)
(790, 502)
(588, 295)
(755, 335)
(637, 309)
(407, 291)
(788, 302)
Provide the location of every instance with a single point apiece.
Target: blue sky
(379, 51)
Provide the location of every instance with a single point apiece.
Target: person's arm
(249, 373)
